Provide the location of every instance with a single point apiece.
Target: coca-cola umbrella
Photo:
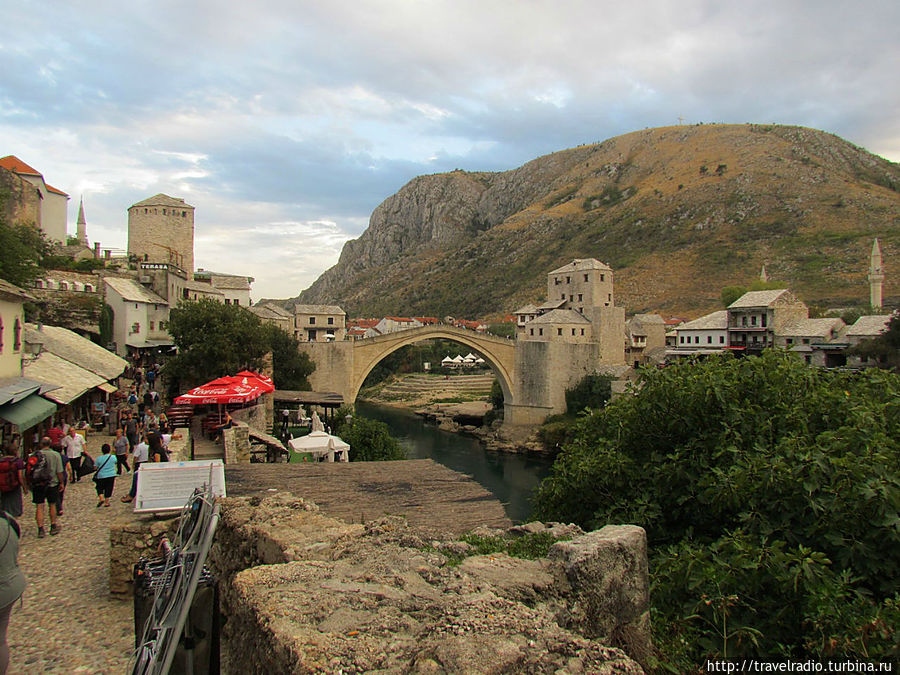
(241, 388)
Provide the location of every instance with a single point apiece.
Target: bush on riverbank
(370, 440)
(770, 493)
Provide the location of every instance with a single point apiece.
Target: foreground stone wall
(302, 592)
(237, 443)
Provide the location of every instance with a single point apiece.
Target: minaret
(81, 233)
(763, 275)
(876, 276)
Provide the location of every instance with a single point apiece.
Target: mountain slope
(678, 212)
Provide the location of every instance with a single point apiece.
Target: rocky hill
(678, 212)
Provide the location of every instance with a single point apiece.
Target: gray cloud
(287, 121)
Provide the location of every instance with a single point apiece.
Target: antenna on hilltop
(680, 120)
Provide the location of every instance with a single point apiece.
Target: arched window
(88, 288)
(63, 285)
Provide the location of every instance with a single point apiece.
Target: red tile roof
(16, 165)
(13, 163)
(56, 190)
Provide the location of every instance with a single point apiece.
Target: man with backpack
(44, 477)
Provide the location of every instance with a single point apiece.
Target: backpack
(132, 398)
(9, 474)
(37, 469)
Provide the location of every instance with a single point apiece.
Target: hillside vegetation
(679, 213)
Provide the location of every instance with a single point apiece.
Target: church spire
(82, 224)
(876, 276)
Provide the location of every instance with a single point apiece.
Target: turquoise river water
(511, 478)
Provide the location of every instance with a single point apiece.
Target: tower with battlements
(876, 276)
(161, 230)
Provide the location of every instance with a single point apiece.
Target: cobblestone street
(67, 621)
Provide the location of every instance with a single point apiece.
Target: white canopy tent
(319, 446)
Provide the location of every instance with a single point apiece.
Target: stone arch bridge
(533, 375)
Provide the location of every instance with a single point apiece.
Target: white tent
(319, 446)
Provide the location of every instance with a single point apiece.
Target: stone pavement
(67, 621)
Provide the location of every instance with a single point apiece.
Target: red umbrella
(240, 388)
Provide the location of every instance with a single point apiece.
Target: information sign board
(167, 486)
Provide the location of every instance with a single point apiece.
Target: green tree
(370, 440)
(22, 252)
(291, 367)
(592, 392)
(214, 339)
(770, 493)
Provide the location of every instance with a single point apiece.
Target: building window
(709, 339)
(602, 277)
(236, 301)
(562, 297)
(586, 277)
(580, 297)
(571, 298)
(790, 341)
(162, 325)
(806, 341)
(696, 339)
(582, 331)
(753, 320)
(183, 214)
(573, 331)
(743, 320)
(227, 301)
(532, 331)
(763, 320)
(681, 339)
(540, 331)
(17, 335)
(559, 331)
(721, 339)
(164, 212)
(151, 325)
(568, 280)
(330, 320)
(1, 335)
(556, 281)
(63, 285)
(312, 321)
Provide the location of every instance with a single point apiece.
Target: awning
(27, 412)
(107, 387)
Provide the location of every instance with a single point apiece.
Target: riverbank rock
(306, 593)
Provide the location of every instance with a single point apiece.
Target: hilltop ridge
(678, 212)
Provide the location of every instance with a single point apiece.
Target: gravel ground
(67, 621)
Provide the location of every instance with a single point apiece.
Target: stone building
(645, 339)
(278, 316)
(319, 323)
(708, 333)
(757, 316)
(52, 203)
(140, 316)
(161, 230)
(234, 288)
(580, 309)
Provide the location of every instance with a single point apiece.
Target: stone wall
(180, 448)
(129, 539)
(20, 202)
(237, 443)
(302, 592)
(162, 238)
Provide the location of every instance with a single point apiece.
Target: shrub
(770, 494)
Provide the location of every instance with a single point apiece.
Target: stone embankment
(302, 592)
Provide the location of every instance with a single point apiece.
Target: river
(511, 478)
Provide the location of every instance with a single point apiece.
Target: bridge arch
(498, 353)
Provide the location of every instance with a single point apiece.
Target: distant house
(392, 324)
(272, 313)
(708, 333)
(813, 339)
(53, 202)
(319, 323)
(645, 339)
(235, 289)
(756, 317)
(140, 316)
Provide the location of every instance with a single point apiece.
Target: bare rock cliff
(679, 212)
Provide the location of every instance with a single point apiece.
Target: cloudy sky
(286, 122)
